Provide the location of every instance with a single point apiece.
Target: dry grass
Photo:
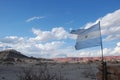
(42, 73)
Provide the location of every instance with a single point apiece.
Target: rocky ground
(67, 71)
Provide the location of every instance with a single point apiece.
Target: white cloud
(110, 25)
(1, 45)
(60, 33)
(57, 33)
(35, 18)
(27, 47)
(49, 46)
(41, 49)
(44, 44)
(113, 51)
(112, 37)
(118, 44)
(42, 35)
(12, 39)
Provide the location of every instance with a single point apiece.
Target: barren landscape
(16, 66)
(64, 71)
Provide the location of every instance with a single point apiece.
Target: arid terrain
(68, 71)
(16, 66)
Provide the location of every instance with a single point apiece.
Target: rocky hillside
(15, 56)
(11, 53)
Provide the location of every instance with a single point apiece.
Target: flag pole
(104, 71)
(101, 43)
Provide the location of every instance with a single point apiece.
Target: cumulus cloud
(118, 44)
(112, 37)
(28, 47)
(113, 51)
(110, 25)
(44, 44)
(57, 33)
(12, 39)
(35, 18)
(49, 46)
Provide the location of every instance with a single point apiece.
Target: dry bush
(42, 73)
(88, 73)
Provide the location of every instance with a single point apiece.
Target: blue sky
(41, 27)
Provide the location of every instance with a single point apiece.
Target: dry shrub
(42, 73)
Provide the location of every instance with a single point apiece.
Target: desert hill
(11, 53)
(16, 56)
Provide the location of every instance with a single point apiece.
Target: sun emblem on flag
(86, 36)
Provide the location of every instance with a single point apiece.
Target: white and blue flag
(86, 38)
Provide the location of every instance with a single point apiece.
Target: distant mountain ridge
(11, 53)
(86, 59)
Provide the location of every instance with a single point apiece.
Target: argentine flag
(86, 38)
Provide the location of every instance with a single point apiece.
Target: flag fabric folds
(86, 38)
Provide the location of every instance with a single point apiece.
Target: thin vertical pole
(101, 43)
(104, 65)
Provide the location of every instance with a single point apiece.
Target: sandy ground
(70, 71)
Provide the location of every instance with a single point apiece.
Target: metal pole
(105, 70)
(101, 43)
(104, 75)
